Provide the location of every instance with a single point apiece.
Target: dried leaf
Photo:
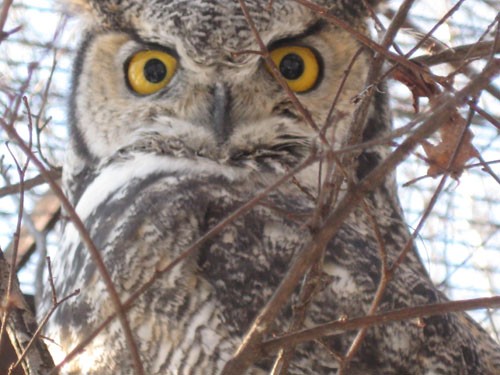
(439, 156)
(421, 84)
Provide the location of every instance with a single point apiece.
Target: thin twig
(249, 349)
(488, 169)
(4, 13)
(21, 170)
(442, 20)
(30, 183)
(493, 121)
(41, 325)
(55, 304)
(360, 37)
(430, 206)
(20, 327)
(87, 240)
(239, 212)
(277, 75)
(345, 76)
(379, 293)
(270, 347)
(373, 78)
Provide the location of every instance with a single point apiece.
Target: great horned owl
(177, 121)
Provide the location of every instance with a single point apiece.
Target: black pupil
(155, 71)
(291, 66)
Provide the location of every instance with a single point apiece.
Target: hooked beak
(220, 112)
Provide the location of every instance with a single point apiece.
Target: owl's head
(192, 71)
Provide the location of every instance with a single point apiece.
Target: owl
(179, 119)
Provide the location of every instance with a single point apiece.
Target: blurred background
(460, 242)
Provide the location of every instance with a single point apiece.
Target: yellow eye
(150, 71)
(298, 65)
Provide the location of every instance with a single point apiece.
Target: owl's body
(149, 174)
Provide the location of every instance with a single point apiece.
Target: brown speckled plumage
(151, 174)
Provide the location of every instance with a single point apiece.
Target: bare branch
(338, 327)
(249, 349)
(458, 54)
(37, 334)
(30, 183)
(96, 256)
(21, 326)
(3, 17)
(242, 210)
